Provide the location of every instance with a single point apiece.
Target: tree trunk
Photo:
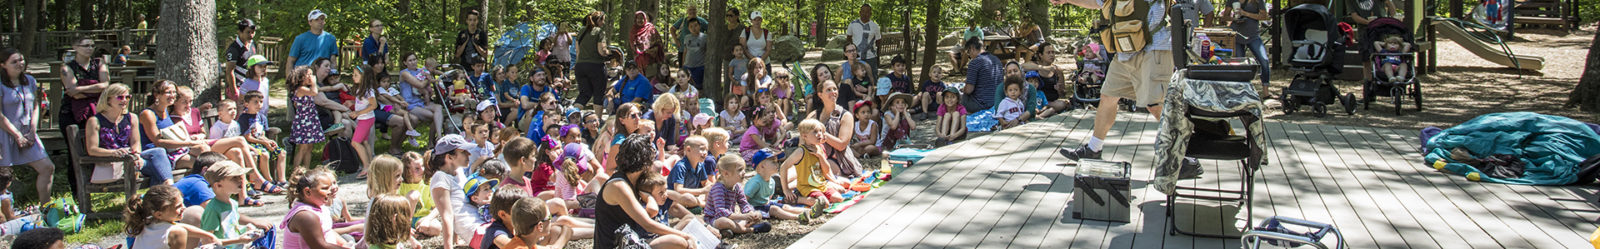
(30, 26)
(986, 10)
(1587, 95)
(821, 21)
(86, 15)
(930, 40)
(716, 51)
(187, 43)
(907, 44)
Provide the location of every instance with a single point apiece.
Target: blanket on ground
(1549, 148)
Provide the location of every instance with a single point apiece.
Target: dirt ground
(1464, 87)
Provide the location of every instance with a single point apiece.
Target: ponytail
(140, 211)
(569, 169)
(302, 179)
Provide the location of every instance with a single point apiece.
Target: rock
(837, 42)
(951, 39)
(786, 49)
(833, 54)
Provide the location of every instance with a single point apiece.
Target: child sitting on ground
(691, 179)
(730, 209)
(952, 123)
(531, 225)
(867, 131)
(1011, 111)
(308, 220)
(928, 99)
(716, 141)
(40, 238)
(733, 120)
(762, 133)
(897, 124)
(152, 221)
(8, 206)
(498, 233)
(389, 222)
(761, 191)
(221, 216)
(1392, 64)
(413, 186)
(815, 179)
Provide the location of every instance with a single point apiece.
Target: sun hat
(216, 172)
(315, 14)
(899, 96)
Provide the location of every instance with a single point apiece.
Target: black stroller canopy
(1310, 16)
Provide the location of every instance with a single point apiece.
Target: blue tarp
(1551, 147)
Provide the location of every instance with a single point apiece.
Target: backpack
(1129, 30)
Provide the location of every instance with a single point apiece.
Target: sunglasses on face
(124, 97)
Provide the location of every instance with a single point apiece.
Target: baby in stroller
(1093, 72)
(1393, 65)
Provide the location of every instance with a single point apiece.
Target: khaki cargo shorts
(1142, 78)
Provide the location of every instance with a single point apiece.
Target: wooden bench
(83, 166)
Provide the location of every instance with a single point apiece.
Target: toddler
(1392, 64)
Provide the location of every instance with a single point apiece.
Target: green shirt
(587, 44)
(221, 218)
(758, 190)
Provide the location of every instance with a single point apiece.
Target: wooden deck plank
(1400, 195)
(1538, 207)
(1026, 181)
(1467, 199)
(1324, 200)
(1402, 161)
(1275, 195)
(904, 186)
(1000, 191)
(1142, 158)
(1090, 233)
(1149, 206)
(974, 190)
(915, 221)
(939, 171)
(1050, 210)
(1390, 223)
(1528, 215)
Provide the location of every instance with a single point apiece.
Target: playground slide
(1485, 50)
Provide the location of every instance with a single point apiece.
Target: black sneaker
(1079, 153)
(1191, 169)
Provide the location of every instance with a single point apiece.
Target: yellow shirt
(425, 199)
(809, 172)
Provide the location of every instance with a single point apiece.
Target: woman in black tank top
(619, 206)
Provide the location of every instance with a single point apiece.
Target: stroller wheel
(1348, 100)
(1399, 94)
(1416, 94)
(1291, 104)
(1320, 110)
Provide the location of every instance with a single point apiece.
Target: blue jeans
(157, 166)
(1257, 48)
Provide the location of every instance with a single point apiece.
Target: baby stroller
(1085, 85)
(1317, 42)
(451, 106)
(1403, 84)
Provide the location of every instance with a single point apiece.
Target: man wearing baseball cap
(242, 48)
(314, 44)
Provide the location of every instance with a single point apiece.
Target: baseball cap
(485, 104)
(223, 169)
(257, 60)
(1031, 74)
(315, 14)
(478, 183)
(755, 14)
(762, 155)
(449, 143)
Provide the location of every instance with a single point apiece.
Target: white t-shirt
(361, 104)
(466, 219)
(221, 130)
(735, 119)
(1010, 109)
(475, 152)
(755, 43)
(864, 34)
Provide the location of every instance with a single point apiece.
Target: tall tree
(1587, 95)
(716, 50)
(187, 43)
(930, 40)
(30, 24)
(821, 21)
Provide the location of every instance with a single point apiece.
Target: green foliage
(428, 27)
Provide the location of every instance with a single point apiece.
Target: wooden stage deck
(1010, 190)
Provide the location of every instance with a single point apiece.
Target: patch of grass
(96, 231)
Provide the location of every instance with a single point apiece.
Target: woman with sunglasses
(625, 123)
(111, 135)
(19, 141)
(81, 77)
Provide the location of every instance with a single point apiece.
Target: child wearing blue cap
(761, 190)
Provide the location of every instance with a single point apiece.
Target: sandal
(251, 202)
(269, 188)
